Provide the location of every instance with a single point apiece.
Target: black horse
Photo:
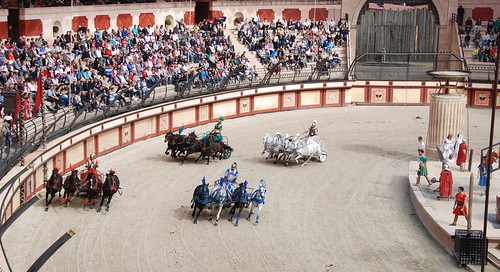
(70, 185)
(200, 200)
(110, 187)
(240, 199)
(93, 189)
(52, 187)
(174, 142)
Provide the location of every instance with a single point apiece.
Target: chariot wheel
(226, 153)
(322, 157)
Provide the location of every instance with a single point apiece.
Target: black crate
(469, 246)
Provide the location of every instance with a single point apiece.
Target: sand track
(351, 213)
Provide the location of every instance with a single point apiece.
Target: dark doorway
(13, 20)
(202, 11)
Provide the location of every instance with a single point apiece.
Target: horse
(268, 145)
(201, 197)
(70, 186)
(240, 199)
(213, 148)
(307, 150)
(193, 145)
(257, 198)
(173, 141)
(52, 187)
(109, 188)
(218, 198)
(278, 147)
(93, 189)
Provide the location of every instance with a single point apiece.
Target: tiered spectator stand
(481, 71)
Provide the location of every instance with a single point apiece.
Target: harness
(257, 195)
(202, 196)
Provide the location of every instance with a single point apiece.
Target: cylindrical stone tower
(446, 115)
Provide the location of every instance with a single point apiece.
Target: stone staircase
(240, 48)
(481, 71)
(254, 60)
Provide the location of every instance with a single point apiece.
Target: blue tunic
(483, 175)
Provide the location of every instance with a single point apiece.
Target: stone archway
(238, 18)
(381, 27)
(354, 10)
(56, 29)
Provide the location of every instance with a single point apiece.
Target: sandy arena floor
(351, 213)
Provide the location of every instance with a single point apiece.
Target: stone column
(446, 115)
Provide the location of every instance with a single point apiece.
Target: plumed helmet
(446, 167)
(221, 118)
(92, 155)
(111, 171)
(262, 182)
(203, 181)
(234, 165)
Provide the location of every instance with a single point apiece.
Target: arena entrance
(397, 26)
(202, 11)
(398, 38)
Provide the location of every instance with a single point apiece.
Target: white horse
(308, 149)
(268, 145)
(218, 198)
(257, 198)
(277, 146)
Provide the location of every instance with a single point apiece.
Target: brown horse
(70, 186)
(193, 145)
(218, 148)
(52, 187)
(173, 142)
(206, 147)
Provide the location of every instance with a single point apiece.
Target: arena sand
(351, 213)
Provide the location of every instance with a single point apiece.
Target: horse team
(89, 182)
(227, 192)
(184, 145)
(287, 148)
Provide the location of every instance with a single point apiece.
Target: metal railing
(482, 73)
(63, 121)
(401, 66)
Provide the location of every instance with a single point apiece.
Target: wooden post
(471, 191)
(470, 159)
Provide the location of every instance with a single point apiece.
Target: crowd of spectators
(294, 43)
(484, 42)
(92, 68)
(95, 69)
(57, 3)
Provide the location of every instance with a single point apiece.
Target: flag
(39, 95)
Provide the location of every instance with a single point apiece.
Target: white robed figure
(448, 149)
